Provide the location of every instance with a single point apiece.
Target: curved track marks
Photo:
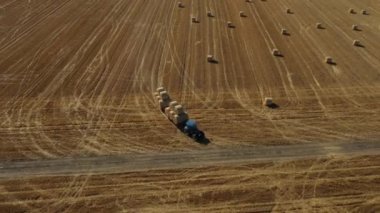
(78, 76)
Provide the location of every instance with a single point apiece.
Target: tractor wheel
(199, 136)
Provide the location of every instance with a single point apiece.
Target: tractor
(178, 116)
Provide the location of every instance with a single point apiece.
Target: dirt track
(320, 185)
(183, 160)
(77, 77)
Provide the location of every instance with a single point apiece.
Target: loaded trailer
(177, 115)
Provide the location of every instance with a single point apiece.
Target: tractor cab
(192, 130)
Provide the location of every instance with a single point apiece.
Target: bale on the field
(352, 11)
(276, 52)
(357, 43)
(355, 27)
(329, 60)
(288, 11)
(209, 14)
(319, 26)
(194, 19)
(268, 101)
(181, 5)
(241, 13)
(211, 59)
(230, 25)
(284, 32)
(364, 12)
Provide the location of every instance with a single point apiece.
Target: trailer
(176, 113)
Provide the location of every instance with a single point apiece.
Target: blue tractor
(190, 128)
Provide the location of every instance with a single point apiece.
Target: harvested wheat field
(326, 185)
(81, 130)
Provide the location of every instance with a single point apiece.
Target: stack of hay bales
(169, 110)
(176, 113)
(180, 116)
(162, 97)
(173, 111)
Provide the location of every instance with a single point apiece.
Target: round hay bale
(276, 52)
(268, 101)
(329, 60)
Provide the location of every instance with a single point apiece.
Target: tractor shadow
(205, 141)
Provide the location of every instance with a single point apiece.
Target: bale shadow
(280, 55)
(332, 63)
(273, 106)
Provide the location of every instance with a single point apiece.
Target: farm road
(176, 160)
